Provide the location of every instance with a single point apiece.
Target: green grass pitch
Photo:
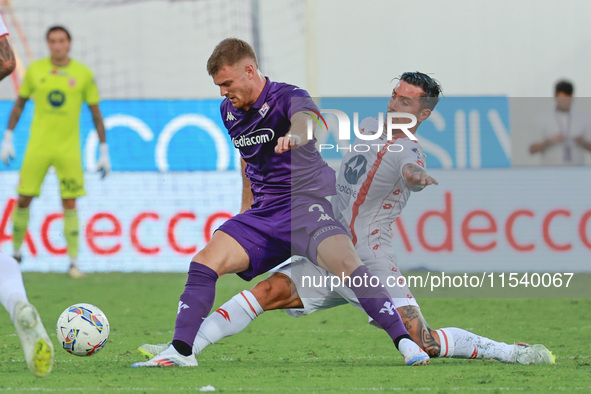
(329, 351)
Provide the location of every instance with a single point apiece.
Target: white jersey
(570, 125)
(3, 29)
(371, 191)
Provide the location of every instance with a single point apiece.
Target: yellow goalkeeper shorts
(68, 168)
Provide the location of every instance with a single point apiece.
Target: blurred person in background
(60, 86)
(566, 133)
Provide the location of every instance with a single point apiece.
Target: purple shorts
(274, 230)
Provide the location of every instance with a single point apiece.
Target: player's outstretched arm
(416, 177)
(7, 148)
(247, 198)
(103, 163)
(7, 62)
(297, 135)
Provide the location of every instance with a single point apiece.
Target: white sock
(12, 289)
(459, 343)
(229, 319)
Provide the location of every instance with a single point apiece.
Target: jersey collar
(263, 96)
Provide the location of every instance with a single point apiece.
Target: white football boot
(37, 346)
(169, 358)
(533, 354)
(150, 351)
(413, 354)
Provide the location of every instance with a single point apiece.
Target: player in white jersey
(372, 191)
(37, 346)
(373, 187)
(7, 61)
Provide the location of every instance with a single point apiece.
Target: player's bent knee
(205, 258)
(221, 261)
(223, 254)
(274, 292)
(337, 255)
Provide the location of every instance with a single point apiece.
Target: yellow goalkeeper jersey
(58, 93)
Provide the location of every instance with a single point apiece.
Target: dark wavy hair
(430, 86)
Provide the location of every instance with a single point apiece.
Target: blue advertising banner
(147, 135)
(188, 135)
(462, 132)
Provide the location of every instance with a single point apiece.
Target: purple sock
(195, 303)
(377, 303)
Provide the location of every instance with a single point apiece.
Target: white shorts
(318, 288)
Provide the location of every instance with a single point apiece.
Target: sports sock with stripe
(229, 319)
(12, 289)
(194, 305)
(458, 343)
(71, 225)
(20, 222)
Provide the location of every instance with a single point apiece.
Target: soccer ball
(82, 329)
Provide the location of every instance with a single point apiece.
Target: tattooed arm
(7, 62)
(7, 65)
(416, 177)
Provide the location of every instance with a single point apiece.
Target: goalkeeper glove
(103, 165)
(7, 149)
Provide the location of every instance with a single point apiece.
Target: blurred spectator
(565, 132)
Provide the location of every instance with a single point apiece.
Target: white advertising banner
(512, 220)
(130, 221)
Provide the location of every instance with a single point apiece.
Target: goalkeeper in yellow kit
(59, 85)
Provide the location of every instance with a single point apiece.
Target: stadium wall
(330, 47)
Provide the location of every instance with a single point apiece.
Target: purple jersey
(255, 133)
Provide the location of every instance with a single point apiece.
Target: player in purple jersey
(402, 171)
(284, 209)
